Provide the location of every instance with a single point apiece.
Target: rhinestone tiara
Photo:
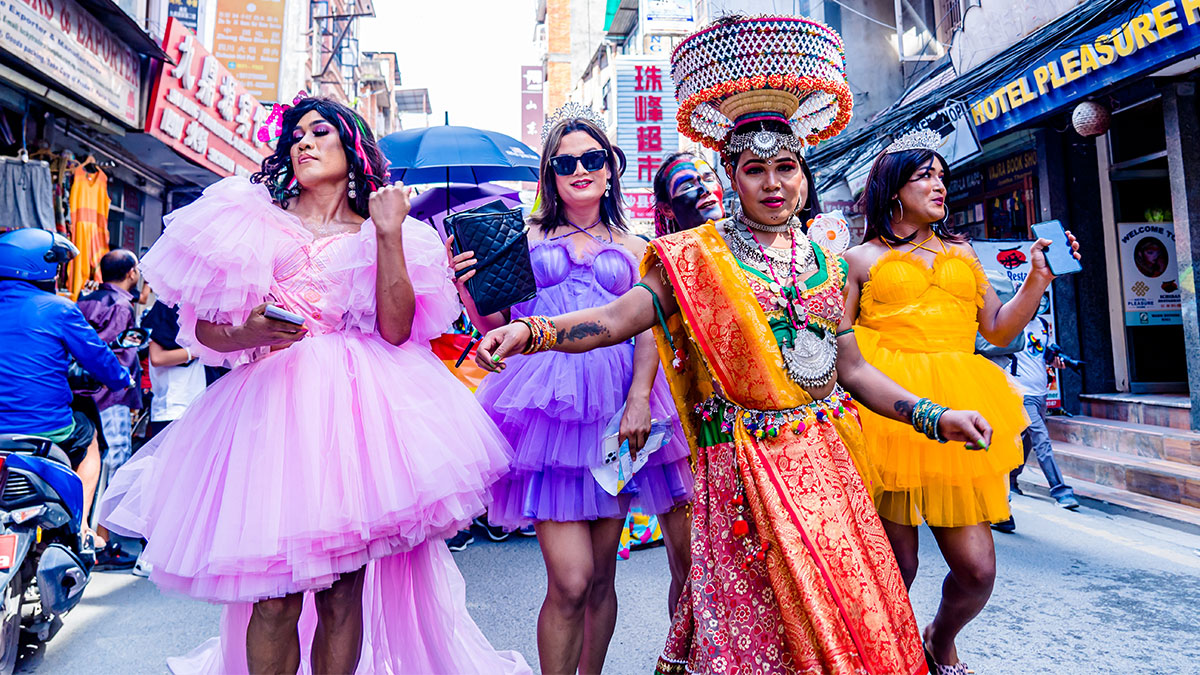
(919, 139)
(786, 64)
(572, 110)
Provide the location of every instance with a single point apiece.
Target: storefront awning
(110, 14)
(1083, 52)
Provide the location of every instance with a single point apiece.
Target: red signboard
(202, 111)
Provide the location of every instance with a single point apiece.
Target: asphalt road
(1083, 592)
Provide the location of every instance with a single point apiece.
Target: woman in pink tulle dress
(310, 489)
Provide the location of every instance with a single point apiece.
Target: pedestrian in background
(176, 377)
(1028, 369)
(110, 310)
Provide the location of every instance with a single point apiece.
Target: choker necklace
(745, 247)
(792, 223)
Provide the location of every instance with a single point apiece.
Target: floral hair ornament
(789, 66)
(572, 110)
(272, 129)
(919, 139)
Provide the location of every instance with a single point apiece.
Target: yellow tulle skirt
(943, 484)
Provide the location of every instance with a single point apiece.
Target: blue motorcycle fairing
(60, 478)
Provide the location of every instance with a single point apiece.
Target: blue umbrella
(450, 154)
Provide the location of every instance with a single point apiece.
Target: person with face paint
(309, 490)
(917, 296)
(687, 194)
(791, 570)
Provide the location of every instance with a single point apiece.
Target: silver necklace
(792, 223)
(745, 248)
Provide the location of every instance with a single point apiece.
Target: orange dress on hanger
(89, 214)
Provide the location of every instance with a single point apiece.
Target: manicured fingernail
(495, 358)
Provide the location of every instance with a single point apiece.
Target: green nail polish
(495, 358)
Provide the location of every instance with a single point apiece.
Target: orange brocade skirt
(944, 484)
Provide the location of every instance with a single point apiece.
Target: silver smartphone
(280, 314)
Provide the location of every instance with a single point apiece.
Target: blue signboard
(1152, 36)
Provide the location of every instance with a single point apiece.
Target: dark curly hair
(367, 164)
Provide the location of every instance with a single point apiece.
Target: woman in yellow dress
(917, 295)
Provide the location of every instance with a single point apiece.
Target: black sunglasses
(564, 165)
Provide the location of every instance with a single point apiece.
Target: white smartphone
(280, 314)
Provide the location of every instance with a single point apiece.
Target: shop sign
(532, 114)
(641, 203)
(1152, 35)
(668, 16)
(201, 110)
(646, 128)
(66, 44)
(1010, 258)
(953, 124)
(1149, 274)
(247, 40)
(186, 12)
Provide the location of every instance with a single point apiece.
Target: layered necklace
(812, 357)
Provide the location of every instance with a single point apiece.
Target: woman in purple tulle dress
(309, 490)
(554, 407)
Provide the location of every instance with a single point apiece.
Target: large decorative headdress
(572, 110)
(738, 70)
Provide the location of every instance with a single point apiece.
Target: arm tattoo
(905, 409)
(581, 331)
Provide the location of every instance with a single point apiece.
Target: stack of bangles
(543, 334)
(925, 418)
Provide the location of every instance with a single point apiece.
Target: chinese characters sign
(68, 45)
(202, 111)
(532, 116)
(646, 128)
(247, 41)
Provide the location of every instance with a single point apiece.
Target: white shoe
(142, 568)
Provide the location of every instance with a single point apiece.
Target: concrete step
(1131, 438)
(1163, 410)
(1128, 503)
(1158, 478)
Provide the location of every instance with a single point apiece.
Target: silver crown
(921, 139)
(572, 110)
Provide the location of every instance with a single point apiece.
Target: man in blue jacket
(39, 331)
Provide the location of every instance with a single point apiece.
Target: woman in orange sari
(791, 569)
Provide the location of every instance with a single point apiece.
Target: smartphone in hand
(280, 314)
(1059, 255)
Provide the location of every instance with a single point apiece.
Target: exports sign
(66, 43)
(247, 41)
(201, 110)
(1158, 34)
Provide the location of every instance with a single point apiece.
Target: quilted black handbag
(503, 275)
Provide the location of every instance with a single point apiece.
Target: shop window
(997, 200)
(1137, 133)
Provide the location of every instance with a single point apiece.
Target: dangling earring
(607, 187)
(350, 191)
(901, 205)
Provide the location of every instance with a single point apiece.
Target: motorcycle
(45, 559)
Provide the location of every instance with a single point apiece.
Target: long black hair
(890, 173)
(367, 165)
(550, 212)
(812, 203)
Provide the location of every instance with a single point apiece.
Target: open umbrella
(452, 154)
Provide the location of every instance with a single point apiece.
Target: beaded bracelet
(543, 334)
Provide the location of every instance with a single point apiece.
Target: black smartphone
(1059, 255)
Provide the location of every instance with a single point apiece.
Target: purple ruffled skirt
(553, 409)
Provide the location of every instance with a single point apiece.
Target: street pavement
(1094, 591)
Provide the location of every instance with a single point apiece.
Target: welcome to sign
(1161, 33)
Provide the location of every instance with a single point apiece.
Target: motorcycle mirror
(132, 338)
